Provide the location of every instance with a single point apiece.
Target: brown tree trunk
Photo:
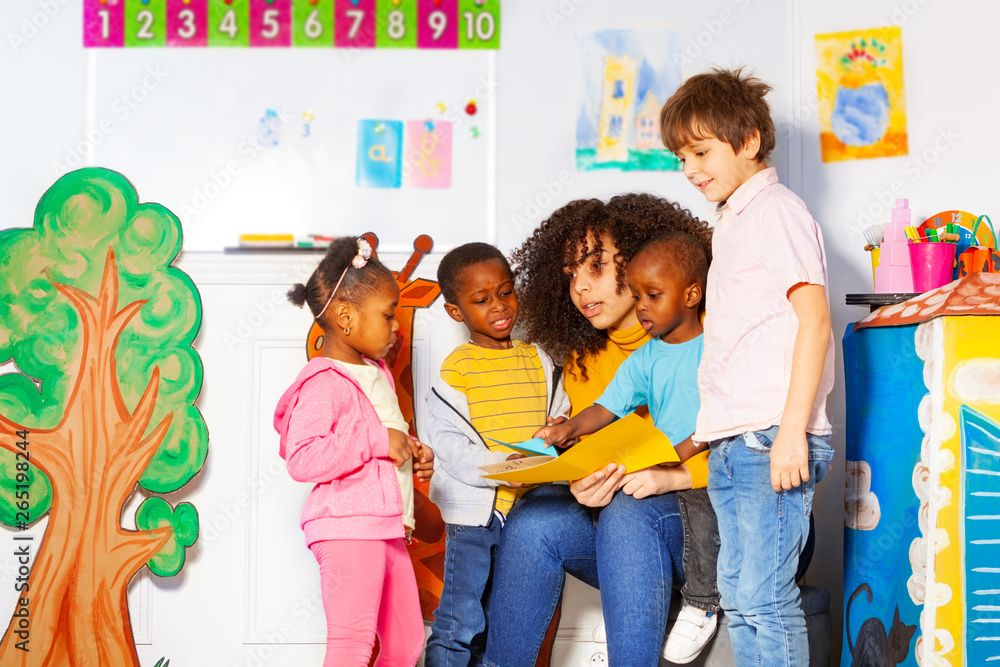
(77, 608)
(77, 612)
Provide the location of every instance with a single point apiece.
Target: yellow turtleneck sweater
(601, 367)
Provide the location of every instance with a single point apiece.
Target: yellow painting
(862, 106)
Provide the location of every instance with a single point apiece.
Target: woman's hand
(656, 480)
(401, 447)
(597, 489)
(423, 461)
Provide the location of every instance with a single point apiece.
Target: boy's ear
(453, 312)
(693, 296)
(752, 145)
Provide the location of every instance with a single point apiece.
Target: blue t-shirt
(663, 377)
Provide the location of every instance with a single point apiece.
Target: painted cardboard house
(922, 506)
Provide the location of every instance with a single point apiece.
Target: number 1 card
(103, 23)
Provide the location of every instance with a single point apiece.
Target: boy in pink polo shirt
(768, 362)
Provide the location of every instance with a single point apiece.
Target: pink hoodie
(331, 435)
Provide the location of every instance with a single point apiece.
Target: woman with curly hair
(574, 303)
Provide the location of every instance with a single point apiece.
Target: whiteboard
(186, 127)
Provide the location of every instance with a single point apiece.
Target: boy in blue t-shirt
(667, 279)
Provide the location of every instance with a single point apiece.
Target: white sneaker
(692, 630)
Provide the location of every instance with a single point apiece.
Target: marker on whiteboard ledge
(314, 241)
(267, 240)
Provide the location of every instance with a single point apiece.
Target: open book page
(631, 441)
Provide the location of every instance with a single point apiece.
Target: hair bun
(297, 295)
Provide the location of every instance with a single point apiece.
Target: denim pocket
(820, 455)
(454, 529)
(760, 442)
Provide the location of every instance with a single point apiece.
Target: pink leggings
(368, 589)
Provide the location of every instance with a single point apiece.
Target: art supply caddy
(910, 259)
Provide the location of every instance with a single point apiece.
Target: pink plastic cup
(931, 264)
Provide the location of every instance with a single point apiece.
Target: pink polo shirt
(765, 244)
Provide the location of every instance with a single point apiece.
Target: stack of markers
(947, 234)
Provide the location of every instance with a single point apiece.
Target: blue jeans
(632, 552)
(458, 635)
(762, 536)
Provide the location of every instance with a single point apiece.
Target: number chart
(366, 24)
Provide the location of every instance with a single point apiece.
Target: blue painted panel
(884, 383)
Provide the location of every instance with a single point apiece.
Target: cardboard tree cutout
(101, 328)
(426, 549)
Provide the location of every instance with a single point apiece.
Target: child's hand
(400, 447)
(555, 421)
(515, 485)
(656, 480)
(789, 460)
(556, 434)
(423, 461)
(597, 489)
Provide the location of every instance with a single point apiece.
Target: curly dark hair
(547, 316)
(357, 285)
(461, 258)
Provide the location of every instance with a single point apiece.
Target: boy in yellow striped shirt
(491, 389)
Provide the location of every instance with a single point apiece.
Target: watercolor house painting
(624, 78)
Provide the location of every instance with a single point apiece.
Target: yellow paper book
(631, 441)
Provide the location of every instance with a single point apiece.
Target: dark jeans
(633, 554)
(458, 635)
(701, 549)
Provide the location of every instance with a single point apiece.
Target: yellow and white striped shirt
(506, 393)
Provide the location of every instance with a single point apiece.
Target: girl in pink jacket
(341, 429)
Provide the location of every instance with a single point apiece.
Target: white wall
(949, 55)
